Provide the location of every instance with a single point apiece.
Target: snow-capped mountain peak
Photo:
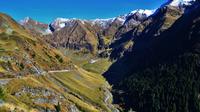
(102, 22)
(180, 2)
(121, 19)
(25, 20)
(143, 11)
(61, 22)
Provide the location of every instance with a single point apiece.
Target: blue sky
(47, 10)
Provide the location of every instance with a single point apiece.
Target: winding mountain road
(58, 71)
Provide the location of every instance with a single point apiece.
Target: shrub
(1, 93)
(59, 58)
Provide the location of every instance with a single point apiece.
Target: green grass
(98, 67)
(83, 61)
(85, 89)
(2, 93)
(7, 44)
(86, 84)
(77, 57)
(107, 40)
(4, 109)
(80, 103)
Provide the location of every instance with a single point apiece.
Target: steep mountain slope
(83, 34)
(139, 22)
(162, 71)
(161, 20)
(153, 26)
(132, 20)
(36, 77)
(77, 35)
(111, 29)
(20, 50)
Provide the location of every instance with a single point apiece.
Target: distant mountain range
(83, 34)
(92, 35)
(60, 23)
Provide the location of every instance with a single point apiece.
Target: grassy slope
(85, 89)
(83, 60)
(19, 48)
(87, 85)
(98, 67)
(20, 51)
(79, 87)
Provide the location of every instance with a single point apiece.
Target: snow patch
(122, 19)
(92, 61)
(24, 21)
(102, 22)
(47, 31)
(60, 23)
(143, 11)
(181, 2)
